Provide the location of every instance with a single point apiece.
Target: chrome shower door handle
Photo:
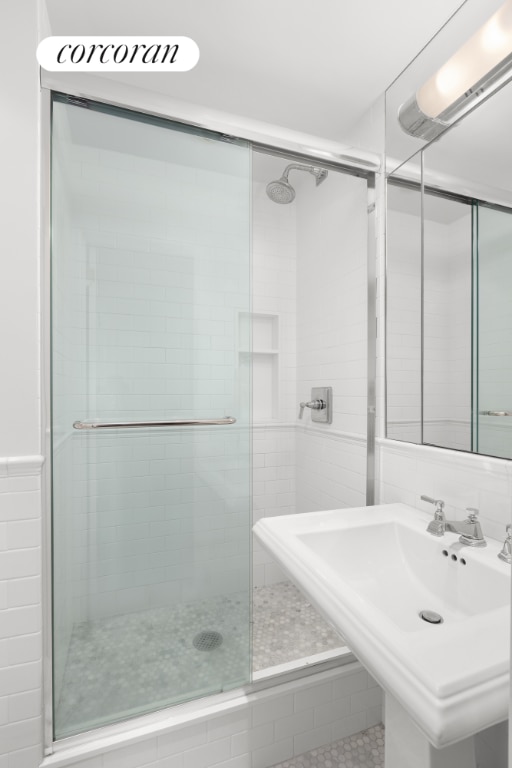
(149, 424)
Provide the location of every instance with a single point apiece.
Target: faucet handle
(439, 504)
(315, 405)
(437, 526)
(472, 514)
(506, 552)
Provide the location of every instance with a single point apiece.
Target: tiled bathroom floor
(362, 750)
(128, 664)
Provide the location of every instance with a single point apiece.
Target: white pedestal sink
(371, 571)
(406, 746)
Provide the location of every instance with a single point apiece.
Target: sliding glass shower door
(151, 414)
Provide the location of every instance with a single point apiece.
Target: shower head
(281, 191)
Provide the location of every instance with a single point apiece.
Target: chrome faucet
(469, 530)
(506, 552)
(436, 526)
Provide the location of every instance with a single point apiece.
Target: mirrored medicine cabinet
(449, 286)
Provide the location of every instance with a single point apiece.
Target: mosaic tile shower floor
(129, 664)
(286, 627)
(362, 750)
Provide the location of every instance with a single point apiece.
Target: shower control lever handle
(315, 405)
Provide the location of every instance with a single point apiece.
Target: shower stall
(190, 314)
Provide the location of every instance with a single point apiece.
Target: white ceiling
(311, 65)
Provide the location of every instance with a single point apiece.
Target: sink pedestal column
(406, 745)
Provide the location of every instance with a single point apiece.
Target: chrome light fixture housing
(481, 66)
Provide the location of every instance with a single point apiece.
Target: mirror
(403, 312)
(449, 287)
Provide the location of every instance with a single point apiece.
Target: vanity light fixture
(479, 67)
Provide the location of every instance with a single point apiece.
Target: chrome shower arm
(318, 173)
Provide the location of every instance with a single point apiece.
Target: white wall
(19, 291)
(20, 442)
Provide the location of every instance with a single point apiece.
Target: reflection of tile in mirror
(447, 266)
(403, 321)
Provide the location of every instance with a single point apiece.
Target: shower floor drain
(207, 640)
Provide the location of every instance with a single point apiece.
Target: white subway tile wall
(461, 479)
(274, 477)
(403, 323)
(274, 277)
(274, 284)
(332, 297)
(332, 341)
(447, 324)
(20, 621)
(320, 240)
(331, 471)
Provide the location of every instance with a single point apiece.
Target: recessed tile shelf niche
(258, 342)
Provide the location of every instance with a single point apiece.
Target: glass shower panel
(151, 525)
(493, 330)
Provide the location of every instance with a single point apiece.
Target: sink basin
(371, 571)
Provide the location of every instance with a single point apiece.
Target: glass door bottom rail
(169, 655)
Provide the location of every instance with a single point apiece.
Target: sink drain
(431, 617)
(207, 640)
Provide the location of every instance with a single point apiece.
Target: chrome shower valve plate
(323, 416)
